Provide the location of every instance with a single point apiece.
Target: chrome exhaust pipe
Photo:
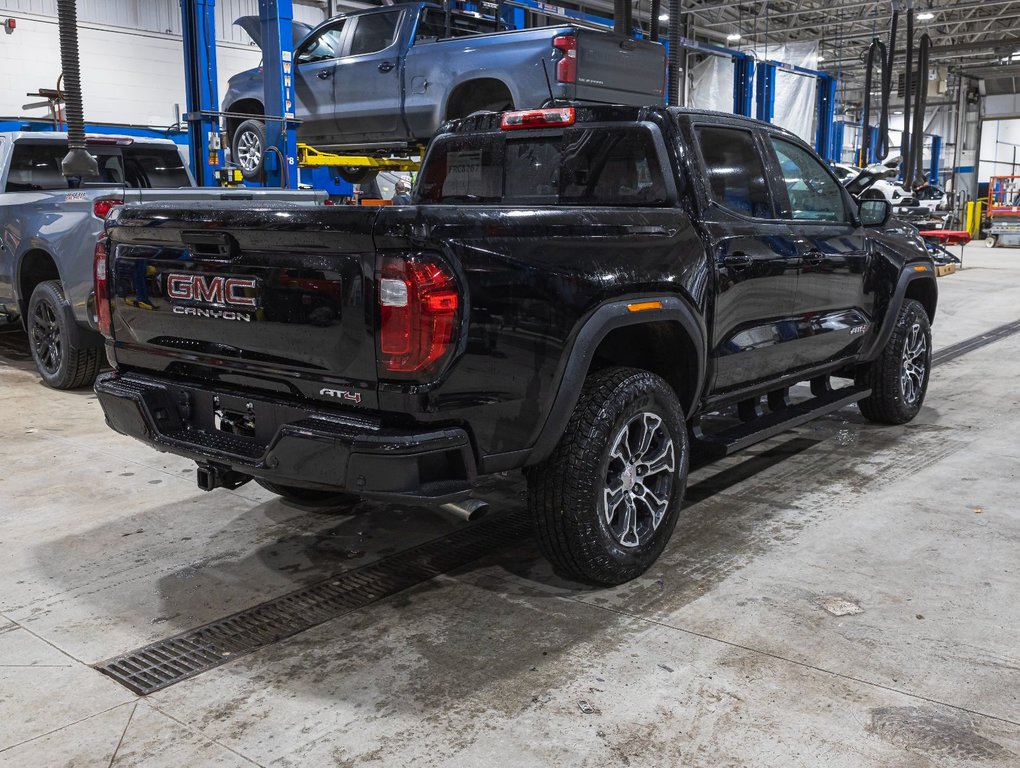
(467, 510)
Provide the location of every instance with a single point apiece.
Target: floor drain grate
(177, 658)
(961, 348)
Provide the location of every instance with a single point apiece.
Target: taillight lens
(103, 319)
(419, 308)
(566, 67)
(101, 208)
(538, 118)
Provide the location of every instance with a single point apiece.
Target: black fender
(608, 317)
(911, 273)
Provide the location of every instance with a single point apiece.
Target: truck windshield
(581, 166)
(36, 166)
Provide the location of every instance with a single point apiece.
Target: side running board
(715, 446)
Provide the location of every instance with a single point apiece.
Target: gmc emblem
(211, 290)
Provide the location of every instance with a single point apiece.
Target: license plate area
(233, 418)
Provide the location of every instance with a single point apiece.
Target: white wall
(130, 72)
(1000, 149)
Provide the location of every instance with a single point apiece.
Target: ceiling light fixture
(732, 37)
(663, 17)
(925, 16)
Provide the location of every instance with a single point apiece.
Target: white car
(932, 198)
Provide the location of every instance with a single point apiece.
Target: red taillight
(418, 312)
(103, 320)
(566, 67)
(102, 208)
(537, 118)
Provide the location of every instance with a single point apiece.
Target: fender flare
(606, 318)
(892, 310)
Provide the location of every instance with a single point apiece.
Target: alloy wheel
(249, 151)
(915, 364)
(639, 479)
(46, 337)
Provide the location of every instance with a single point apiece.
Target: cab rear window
(580, 166)
(37, 167)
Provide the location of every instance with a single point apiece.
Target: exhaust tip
(468, 510)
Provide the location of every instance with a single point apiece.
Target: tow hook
(212, 476)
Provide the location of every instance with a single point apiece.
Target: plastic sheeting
(711, 86)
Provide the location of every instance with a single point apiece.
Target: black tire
(310, 497)
(61, 355)
(567, 493)
(355, 175)
(247, 148)
(899, 376)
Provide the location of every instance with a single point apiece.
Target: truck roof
(94, 138)
(590, 113)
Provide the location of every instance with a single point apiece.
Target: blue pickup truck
(49, 227)
(385, 79)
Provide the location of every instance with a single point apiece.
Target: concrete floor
(729, 652)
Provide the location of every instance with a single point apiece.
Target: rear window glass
(734, 171)
(432, 25)
(37, 167)
(581, 166)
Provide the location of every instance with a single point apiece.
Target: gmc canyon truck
(575, 293)
(385, 79)
(48, 232)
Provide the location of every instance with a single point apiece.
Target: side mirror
(875, 213)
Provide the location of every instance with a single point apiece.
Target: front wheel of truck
(247, 147)
(605, 503)
(899, 377)
(61, 356)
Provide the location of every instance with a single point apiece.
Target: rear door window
(812, 192)
(734, 171)
(581, 166)
(374, 33)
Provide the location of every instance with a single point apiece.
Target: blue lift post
(765, 91)
(198, 24)
(826, 130)
(276, 18)
(936, 157)
(743, 83)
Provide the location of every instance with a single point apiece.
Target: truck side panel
(530, 289)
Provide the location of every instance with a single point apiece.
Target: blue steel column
(765, 91)
(743, 75)
(276, 18)
(936, 158)
(198, 25)
(826, 117)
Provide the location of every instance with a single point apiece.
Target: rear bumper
(291, 444)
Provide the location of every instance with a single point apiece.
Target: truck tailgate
(611, 69)
(272, 298)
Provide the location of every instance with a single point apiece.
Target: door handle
(324, 74)
(737, 260)
(386, 66)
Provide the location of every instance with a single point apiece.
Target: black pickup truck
(591, 294)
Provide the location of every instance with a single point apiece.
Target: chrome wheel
(46, 337)
(915, 365)
(249, 151)
(639, 479)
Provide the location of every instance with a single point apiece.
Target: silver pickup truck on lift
(49, 227)
(386, 78)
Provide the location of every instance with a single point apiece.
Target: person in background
(402, 195)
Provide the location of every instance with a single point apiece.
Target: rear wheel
(310, 497)
(606, 501)
(356, 175)
(62, 357)
(991, 241)
(247, 147)
(899, 377)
